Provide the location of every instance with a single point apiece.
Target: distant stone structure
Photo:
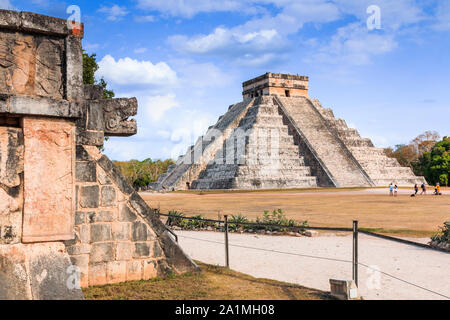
(67, 215)
(280, 138)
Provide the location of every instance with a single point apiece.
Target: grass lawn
(403, 216)
(213, 283)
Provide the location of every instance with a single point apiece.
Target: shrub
(175, 219)
(444, 235)
(197, 223)
(239, 218)
(277, 217)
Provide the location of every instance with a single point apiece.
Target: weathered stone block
(48, 182)
(78, 249)
(42, 106)
(97, 274)
(93, 92)
(157, 251)
(103, 178)
(11, 156)
(150, 270)
(91, 138)
(108, 196)
(100, 232)
(37, 23)
(95, 117)
(47, 282)
(86, 171)
(116, 271)
(13, 273)
(89, 197)
(142, 250)
(101, 216)
(102, 252)
(85, 233)
(121, 231)
(80, 217)
(139, 232)
(125, 213)
(124, 251)
(74, 69)
(134, 270)
(82, 154)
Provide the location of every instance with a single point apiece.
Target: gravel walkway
(422, 267)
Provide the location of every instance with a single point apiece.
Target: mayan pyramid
(280, 138)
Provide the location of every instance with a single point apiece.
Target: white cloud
(114, 13)
(244, 47)
(128, 71)
(353, 45)
(155, 106)
(224, 41)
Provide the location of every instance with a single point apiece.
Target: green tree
(435, 165)
(90, 67)
(140, 173)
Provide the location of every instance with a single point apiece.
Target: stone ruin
(278, 137)
(67, 215)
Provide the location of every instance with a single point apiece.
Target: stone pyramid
(266, 157)
(280, 138)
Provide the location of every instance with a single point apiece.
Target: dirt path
(426, 268)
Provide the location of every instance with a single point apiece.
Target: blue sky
(185, 61)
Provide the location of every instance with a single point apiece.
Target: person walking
(391, 190)
(395, 190)
(416, 189)
(438, 189)
(424, 188)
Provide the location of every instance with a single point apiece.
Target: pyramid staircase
(260, 154)
(381, 169)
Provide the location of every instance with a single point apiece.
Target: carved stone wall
(67, 215)
(31, 64)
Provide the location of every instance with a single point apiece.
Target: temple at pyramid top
(276, 84)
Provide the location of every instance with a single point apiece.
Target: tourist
(395, 190)
(391, 189)
(424, 188)
(437, 189)
(416, 189)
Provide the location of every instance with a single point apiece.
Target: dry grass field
(403, 215)
(213, 283)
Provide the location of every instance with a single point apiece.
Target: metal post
(227, 260)
(355, 252)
